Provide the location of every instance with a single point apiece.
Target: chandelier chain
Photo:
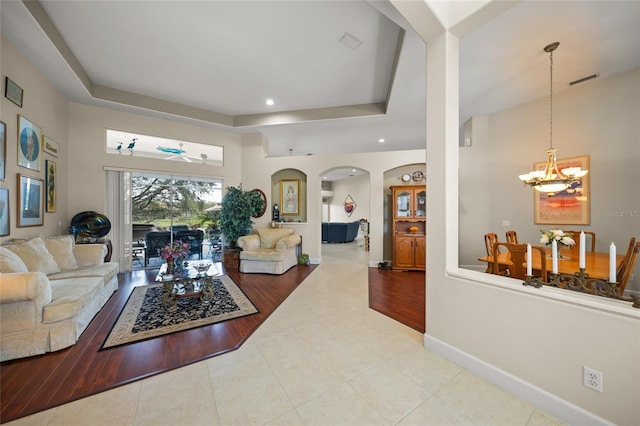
(551, 100)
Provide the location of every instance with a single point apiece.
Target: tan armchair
(268, 251)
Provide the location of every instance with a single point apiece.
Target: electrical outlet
(592, 379)
(506, 223)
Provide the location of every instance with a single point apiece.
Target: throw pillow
(11, 262)
(35, 256)
(61, 248)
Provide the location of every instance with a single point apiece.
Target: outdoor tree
(155, 199)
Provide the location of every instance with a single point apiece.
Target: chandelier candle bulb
(529, 260)
(582, 261)
(612, 263)
(554, 256)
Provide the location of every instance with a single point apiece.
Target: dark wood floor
(399, 295)
(34, 384)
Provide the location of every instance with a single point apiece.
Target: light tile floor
(323, 358)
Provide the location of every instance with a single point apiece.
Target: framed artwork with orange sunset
(568, 207)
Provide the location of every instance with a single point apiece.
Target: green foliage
(235, 216)
(156, 200)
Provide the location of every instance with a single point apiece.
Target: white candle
(529, 260)
(554, 256)
(612, 263)
(582, 248)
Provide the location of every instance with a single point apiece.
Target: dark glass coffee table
(196, 281)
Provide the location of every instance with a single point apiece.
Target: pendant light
(552, 180)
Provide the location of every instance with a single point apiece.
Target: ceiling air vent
(582, 80)
(350, 41)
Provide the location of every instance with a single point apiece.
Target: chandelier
(552, 180)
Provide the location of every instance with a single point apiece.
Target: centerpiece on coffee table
(175, 254)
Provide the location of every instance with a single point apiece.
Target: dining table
(596, 263)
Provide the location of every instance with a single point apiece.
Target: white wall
(44, 106)
(358, 188)
(532, 342)
(597, 118)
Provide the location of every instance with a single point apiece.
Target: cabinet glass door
(403, 204)
(421, 203)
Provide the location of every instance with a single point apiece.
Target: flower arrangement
(562, 238)
(175, 251)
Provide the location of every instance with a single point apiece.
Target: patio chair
(155, 241)
(194, 238)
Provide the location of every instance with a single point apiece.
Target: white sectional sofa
(50, 290)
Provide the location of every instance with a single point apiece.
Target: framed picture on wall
(349, 205)
(5, 223)
(569, 207)
(51, 178)
(30, 201)
(29, 137)
(50, 146)
(13, 92)
(289, 197)
(3, 150)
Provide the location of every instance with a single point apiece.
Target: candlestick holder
(581, 282)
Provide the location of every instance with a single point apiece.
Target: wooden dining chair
(590, 242)
(628, 264)
(512, 236)
(626, 258)
(517, 257)
(490, 239)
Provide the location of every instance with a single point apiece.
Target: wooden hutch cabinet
(409, 226)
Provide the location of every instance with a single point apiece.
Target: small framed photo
(50, 146)
(3, 150)
(289, 196)
(4, 212)
(29, 137)
(30, 201)
(13, 92)
(50, 181)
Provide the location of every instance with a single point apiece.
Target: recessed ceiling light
(270, 102)
(381, 140)
(353, 170)
(324, 177)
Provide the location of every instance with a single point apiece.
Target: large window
(127, 143)
(165, 201)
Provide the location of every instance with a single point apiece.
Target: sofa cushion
(35, 256)
(70, 296)
(269, 237)
(11, 262)
(61, 248)
(106, 271)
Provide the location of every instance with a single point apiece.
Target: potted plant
(303, 259)
(238, 206)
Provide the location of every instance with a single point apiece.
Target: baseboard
(539, 398)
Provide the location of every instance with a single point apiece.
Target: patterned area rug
(143, 316)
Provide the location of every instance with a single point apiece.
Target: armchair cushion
(290, 241)
(249, 242)
(35, 256)
(269, 237)
(11, 262)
